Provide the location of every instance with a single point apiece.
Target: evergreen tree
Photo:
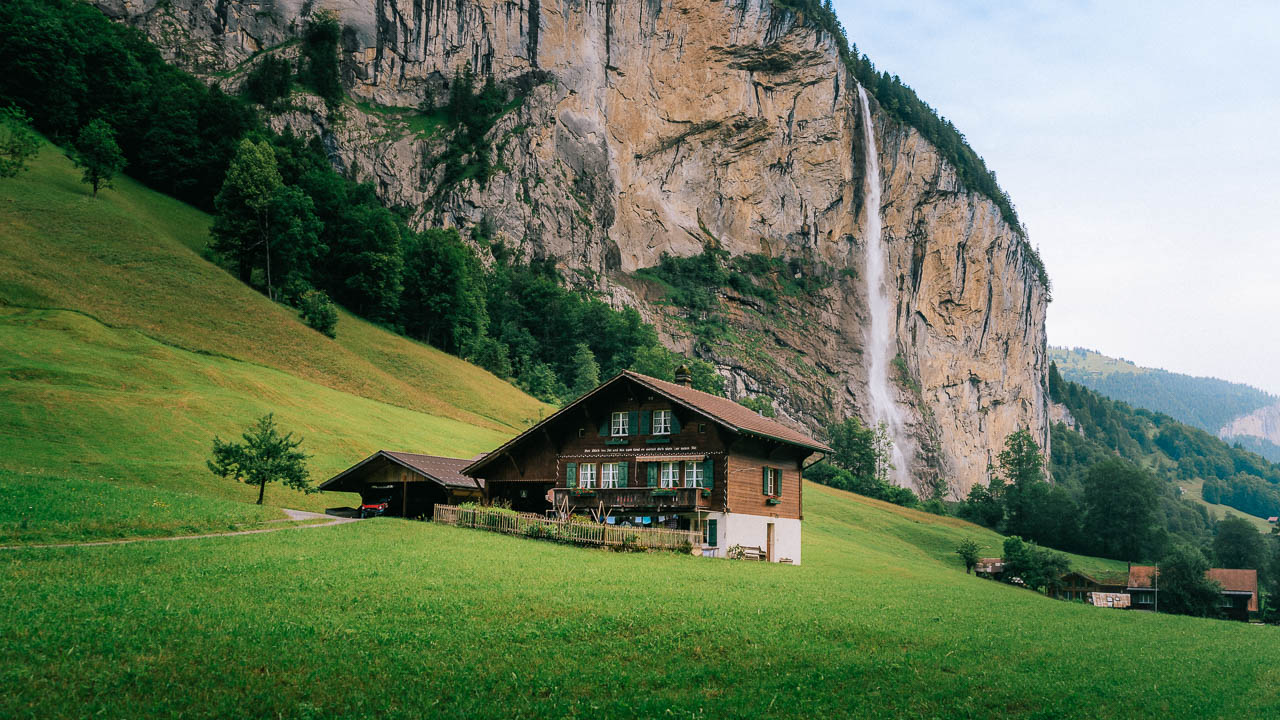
(1023, 467)
(443, 302)
(96, 152)
(586, 372)
(320, 42)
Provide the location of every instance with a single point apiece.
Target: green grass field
(123, 352)
(399, 619)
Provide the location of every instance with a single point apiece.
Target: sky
(1140, 142)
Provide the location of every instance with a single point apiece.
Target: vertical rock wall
(649, 127)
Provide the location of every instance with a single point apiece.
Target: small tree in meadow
(263, 456)
(18, 142)
(96, 152)
(318, 312)
(968, 552)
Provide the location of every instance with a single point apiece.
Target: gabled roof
(722, 410)
(1237, 582)
(1141, 576)
(446, 471)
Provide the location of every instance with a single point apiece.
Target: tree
(983, 505)
(320, 51)
(1183, 588)
(96, 152)
(18, 142)
(1038, 568)
(969, 553)
(443, 302)
(241, 229)
(882, 450)
(1238, 544)
(269, 82)
(759, 404)
(263, 457)
(1023, 467)
(586, 372)
(318, 312)
(1120, 504)
(854, 447)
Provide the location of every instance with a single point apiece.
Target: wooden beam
(514, 464)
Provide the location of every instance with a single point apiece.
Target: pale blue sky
(1140, 143)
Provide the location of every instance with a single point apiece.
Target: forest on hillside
(1203, 402)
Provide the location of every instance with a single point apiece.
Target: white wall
(752, 530)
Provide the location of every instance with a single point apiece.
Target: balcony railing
(634, 497)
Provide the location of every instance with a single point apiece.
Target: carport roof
(443, 470)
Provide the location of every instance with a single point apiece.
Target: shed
(411, 483)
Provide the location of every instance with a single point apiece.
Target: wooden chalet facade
(410, 483)
(645, 452)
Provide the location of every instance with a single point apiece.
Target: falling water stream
(880, 343)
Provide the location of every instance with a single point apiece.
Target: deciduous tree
(263, 456)
(97, 154)
(18, 142)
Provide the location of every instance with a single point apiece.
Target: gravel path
(294, 516)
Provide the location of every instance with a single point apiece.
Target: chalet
(1077, 585)
(645, 452)
(412, 484)
(989, 567)
(1239, 589)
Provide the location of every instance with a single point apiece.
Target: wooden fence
(575, 531)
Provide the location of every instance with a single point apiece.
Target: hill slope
(879, 622)
(1204, 402)
(124, 352)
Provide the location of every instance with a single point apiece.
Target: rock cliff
(646, 127)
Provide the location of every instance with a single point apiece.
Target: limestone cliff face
(654, 127)
(1262, 423)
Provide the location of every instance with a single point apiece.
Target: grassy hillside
(880, 621)
(122, 352)
(1206, 403)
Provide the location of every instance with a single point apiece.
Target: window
(693, 474)
(619, 425)
(609, 475)
(670, 474)
(661, 422)
(587, 475)
(772, 485)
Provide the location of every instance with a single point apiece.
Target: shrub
(319, 312)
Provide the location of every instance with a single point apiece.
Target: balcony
(633, 498)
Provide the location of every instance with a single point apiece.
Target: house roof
(722, 410)
(1237, 582)
(1142, 576)
(446, 471)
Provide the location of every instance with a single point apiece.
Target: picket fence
(575, 531)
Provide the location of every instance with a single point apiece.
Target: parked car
(374, 509)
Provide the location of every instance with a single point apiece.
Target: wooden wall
(747, 461)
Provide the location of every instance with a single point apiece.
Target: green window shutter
(709, 474)
(675, 423)
(765, 487)
(777, 482)
(652, 474)
(645, 423)
(571, 474)
(622, 474)
(633, 422)
(604, 428)
(712, 528)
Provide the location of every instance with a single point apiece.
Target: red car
(369, 510)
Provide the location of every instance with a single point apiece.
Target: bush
(319, 312)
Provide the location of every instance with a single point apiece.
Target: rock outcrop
(654, 127)
(1261, 423)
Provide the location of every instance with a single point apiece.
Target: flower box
(664, 492)
(773, 501)
(658, 440)
(582, 492)
(706, 493)
(616, 441)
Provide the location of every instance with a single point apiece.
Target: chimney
(683, 377)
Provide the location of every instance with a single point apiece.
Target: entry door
(769, 548)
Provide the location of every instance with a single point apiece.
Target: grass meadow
(398, 619)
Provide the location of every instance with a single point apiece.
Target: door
(769, 548)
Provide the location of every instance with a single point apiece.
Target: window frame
(674, 480)
(665, 416)
(583, 481)
(693, 474)
(609, 473)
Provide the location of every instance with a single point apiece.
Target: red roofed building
(1239, 589)
(410, 484)
(645, 452)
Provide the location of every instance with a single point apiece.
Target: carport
(412, 484)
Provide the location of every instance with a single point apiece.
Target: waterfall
(881, 347)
